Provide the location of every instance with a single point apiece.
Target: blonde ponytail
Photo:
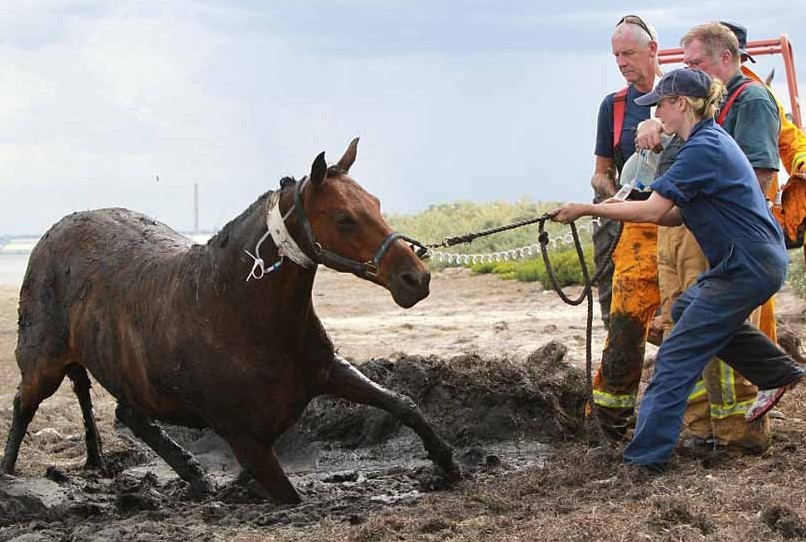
(708, 107)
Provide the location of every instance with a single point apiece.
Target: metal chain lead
(527, 251)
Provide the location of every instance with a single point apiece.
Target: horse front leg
(260, 460)
(349, 383)
(181, 461)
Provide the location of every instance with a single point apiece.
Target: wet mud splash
(346, 460)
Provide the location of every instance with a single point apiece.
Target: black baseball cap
(679, 82)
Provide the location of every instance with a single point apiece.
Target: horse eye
(344, 220)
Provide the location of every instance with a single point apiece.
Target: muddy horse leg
(19, 424)
(36, 386)
(348, 383)
(261, 461)
(81, 387)
(185, 465)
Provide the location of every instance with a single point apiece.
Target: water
(12, 269)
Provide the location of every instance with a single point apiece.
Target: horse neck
(286, 291)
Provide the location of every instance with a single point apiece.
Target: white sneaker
(765, 400)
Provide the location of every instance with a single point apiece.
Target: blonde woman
(713, 190)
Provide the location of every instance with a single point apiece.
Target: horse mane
(220, 239)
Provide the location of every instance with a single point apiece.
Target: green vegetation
(451, 219)
(565, 264)
(796, 277)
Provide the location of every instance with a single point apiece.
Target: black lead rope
(587, 290)
(470, 237)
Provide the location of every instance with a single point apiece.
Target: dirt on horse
(177, 334)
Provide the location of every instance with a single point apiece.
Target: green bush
(796, 277)
(453, 219)
(565, 264)
(506, 270)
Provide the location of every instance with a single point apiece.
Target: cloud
(473, 100)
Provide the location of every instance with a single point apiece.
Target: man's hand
(568, 212)
(655, 335)
(604, 177)
(647, 135)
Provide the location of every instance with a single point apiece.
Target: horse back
(92, 280)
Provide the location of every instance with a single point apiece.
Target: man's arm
(754, 123)
(764, 177)
(647, 135)
(604, 177)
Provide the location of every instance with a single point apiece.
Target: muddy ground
(495, 364)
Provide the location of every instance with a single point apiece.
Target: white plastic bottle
(645, 172)
(624, 191)
(640, 170)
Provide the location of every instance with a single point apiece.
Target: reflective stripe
(608, 400)
(798, 162)
(728, 383)
(699, 390)
(719, 412)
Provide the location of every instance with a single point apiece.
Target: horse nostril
(410, 280)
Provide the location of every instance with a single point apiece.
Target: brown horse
(176, 334)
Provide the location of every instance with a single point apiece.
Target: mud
(347, 460)
(529, 474)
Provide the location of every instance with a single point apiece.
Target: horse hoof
(99, 466)
(6, 467)
(454, 473)
(288, 500)
(201, 488)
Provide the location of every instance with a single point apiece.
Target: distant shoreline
(23, 245)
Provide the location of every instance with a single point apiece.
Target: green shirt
(754, 123)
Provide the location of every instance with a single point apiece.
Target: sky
(129, 103)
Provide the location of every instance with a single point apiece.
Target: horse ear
(346, 161)
(318, 169)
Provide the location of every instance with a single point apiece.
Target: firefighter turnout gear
(634, 303)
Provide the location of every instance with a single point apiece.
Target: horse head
(342, 227)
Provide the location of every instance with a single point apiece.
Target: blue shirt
(716, 190)
(633, 114)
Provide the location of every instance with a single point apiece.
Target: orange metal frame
(758, 48)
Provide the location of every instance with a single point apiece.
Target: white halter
(286, 246)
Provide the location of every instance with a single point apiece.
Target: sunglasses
(638, 21)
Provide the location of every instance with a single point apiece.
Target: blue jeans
(711, 321)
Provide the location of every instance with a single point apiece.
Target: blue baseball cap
(679, 82)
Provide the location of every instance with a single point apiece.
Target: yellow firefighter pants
(632, 308)
(717, 406)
